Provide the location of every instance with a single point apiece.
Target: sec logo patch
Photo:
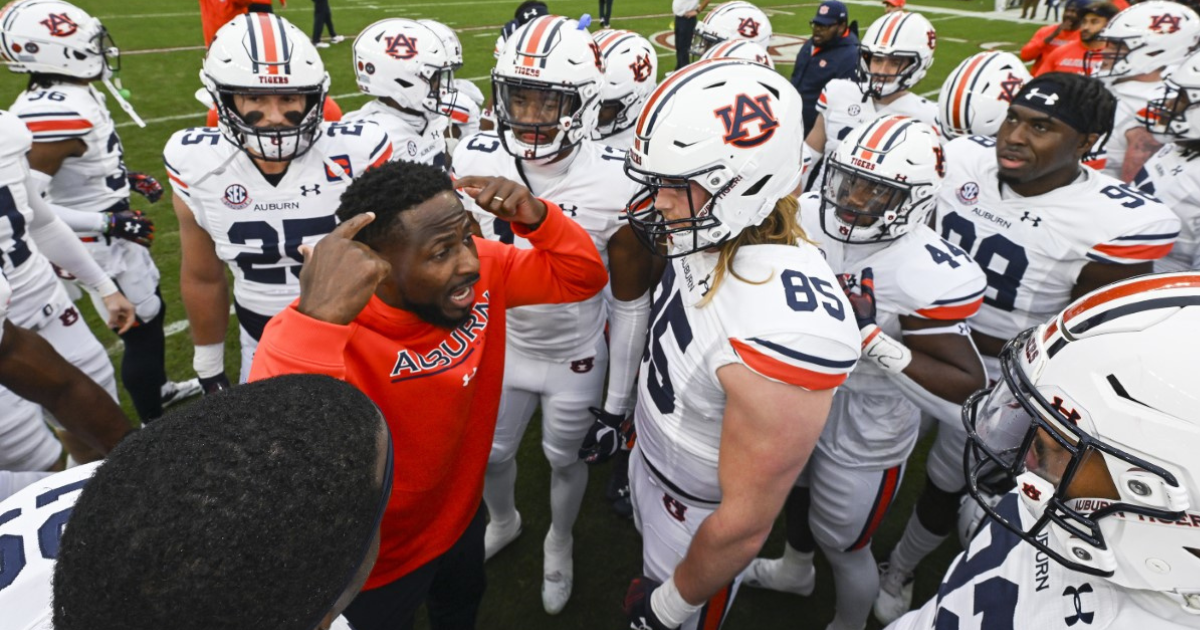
(968, 193)
(236, 197)
(854, 110)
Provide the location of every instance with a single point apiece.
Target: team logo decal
(969, 193)
(412, 148)
(596, 54)
(641, 68)
(236, 197)
(854, 110)
(940, 166)
(1009, 88)
(677, 510)
(583, 366)
(62, 26)
(1165, 24)
(747, 111)
(401, 46)
(1031, 491)
(748, 28)
(931, 37)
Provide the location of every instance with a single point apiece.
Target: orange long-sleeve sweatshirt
(439, 389)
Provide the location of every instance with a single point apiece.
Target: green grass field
(162, 48)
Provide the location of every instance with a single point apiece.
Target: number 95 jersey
(1032, 248)
(31, 523)
(258, 228)
(785, 319)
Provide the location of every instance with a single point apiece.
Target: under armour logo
(1032, 219)
(467, 377)
(133, 228)
(1071, 415)
(61, 25)
(848, 280)
(315, 189)
(1050, 99)
(1074, 594)
(570, 209)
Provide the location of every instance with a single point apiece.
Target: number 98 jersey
(258, 228)
(786, 320)
(1032, 248)
(31, 523)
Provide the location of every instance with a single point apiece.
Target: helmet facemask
(881, 84)
(858, 207)
(537, 120)
(702, 40)
(1171, 115)
(1063, 473)
(680, 236)
(273, 144)
(1110, 61)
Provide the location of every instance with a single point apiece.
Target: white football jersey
(1173, 175)
(31, 523)
(842, 105)
(916, 275)
(1032, 249)
(95, 181)
(788, 321)
(414, 138)
(622, 140)
(593, 190)
(467, 108)
(1132, 97)
(34, 284)
(1000, 582)
(5, 302)
(258, 228)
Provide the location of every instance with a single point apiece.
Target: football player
(406, 66)
(78, 167)
(547, 89)
(730, 21)
(268, 180)
(896, 53)
(31, 236)
(1137, 46)
(465, 110)
(248, 473)
(1045, 230)
(975, 97)
(912, 293)
(1173, 175)
(1091, 417)
(749, 335)
(740, 49)
(630, 75)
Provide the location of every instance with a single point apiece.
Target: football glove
(130, 225)
(145, 186)
(607, 435)
(214, 384)
(877, 346)
(638, 610)
(862, 302)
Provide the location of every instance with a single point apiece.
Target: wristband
(884, 351)
(669, 606)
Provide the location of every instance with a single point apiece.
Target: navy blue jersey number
(259, 266)
(12, 547)
(666, 313)
(990, 253)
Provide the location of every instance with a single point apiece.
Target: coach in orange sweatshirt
(402, 301)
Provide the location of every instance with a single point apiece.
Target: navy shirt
(836, 60)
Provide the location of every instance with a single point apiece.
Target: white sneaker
(774, 575)
(557, 574)
(337, 39)
(322, 45)
(179, 391)
(496, 538)
(895, 594)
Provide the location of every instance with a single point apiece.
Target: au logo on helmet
(62, 26)
(1165, 23)
(641, 68)
(748, 28)
(1009, 87)
(744, 112)
(401, 46)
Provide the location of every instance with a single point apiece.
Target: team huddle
(782, 316)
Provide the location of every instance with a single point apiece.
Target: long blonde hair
(781, 227)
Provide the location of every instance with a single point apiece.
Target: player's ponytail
(781, 227)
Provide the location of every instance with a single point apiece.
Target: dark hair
(47, 80)
(1082, 102)
(388, 190)
(1103, 8)
(252, 508)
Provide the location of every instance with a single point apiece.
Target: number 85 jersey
(785, 318)
(258, 228)
(1032, 248)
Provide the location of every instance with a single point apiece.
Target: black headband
(1054, 99)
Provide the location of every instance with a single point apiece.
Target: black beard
(432, 314)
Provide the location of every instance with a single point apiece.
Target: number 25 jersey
(1032, 248)
(258, 228)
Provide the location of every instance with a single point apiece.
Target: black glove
(638, 610)
(130, 225)
(862, 301)
(145, 186)
(214, 384)
(607, 435)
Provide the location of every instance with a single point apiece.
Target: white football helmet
(1176, 115)
(1144, 38)
(975, 97)
(732, 126)
(449, 39)
(903, 36)
(56, 37)
(630, 75)
(1096, 420)
(546, 88)
(405, 61)
(732, 20)
(264, 54)
(740, 49)
(882, 180)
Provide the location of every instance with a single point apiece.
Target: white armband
(957, 328)
(627, 336)
(209, 360)
(884, 351)
(669, 606)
